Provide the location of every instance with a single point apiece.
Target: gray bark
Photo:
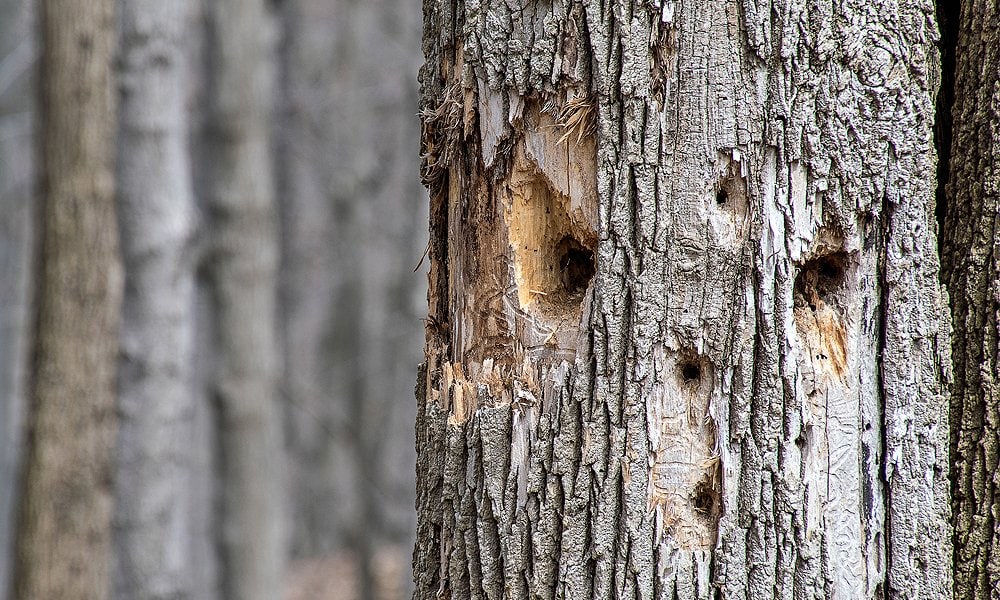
(971, 269)
(241, 272)
(351, 205)
(156, 204)
(64, 527)
(206, 581)
(17, 60)
(686, 338)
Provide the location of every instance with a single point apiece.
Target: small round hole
(690, 372)
(721, 197)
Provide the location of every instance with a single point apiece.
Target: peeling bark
(685, 336)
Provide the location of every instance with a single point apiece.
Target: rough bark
(17, 224)
(971, 269)
(350, 309)
(685, 338)
(152, 529)
(241, 270)
(64, 539)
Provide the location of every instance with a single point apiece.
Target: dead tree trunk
(686, 338)
(241, 271)
(971, 268)
(152, 529)
(64, 540)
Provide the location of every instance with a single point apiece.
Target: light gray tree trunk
(241, 270)
(971, 268)
(686, 338)
(64, 530)
(156, 211)
(352, 211)
(17, 223)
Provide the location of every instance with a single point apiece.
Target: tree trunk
(686, 338)
(64, 540)
(350, 318)
(18, 43)
(241, 269)
(971, 268)
(153, 533)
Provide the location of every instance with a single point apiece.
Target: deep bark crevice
(882, 234)
(948, 20)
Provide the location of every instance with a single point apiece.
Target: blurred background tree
(271, 217)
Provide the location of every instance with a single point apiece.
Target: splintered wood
(522, 249)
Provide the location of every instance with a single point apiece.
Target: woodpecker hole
(730, 190)
(576, 265)
(822, 276)
(553, 250)
(690, 371)
(820, 303)
(705, 499)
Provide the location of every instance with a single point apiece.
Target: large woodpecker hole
(821, 298)
(553, 246)
(821, 277)
(705, 500)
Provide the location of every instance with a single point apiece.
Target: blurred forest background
(328, 321)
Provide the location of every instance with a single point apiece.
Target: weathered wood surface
(685, 333)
